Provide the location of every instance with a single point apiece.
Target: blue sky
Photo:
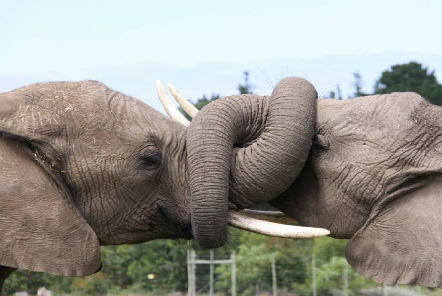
(204, 46)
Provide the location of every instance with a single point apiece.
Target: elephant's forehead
(88, 110)
(94, 105)
(374, 114)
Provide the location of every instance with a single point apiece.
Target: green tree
(128, 266)
(22, 280)
(25, 281)
(254, 257)
(336, 94)
(357, 84)
(327, 247)
(330, 279)
(200, 103)
(246, 87)
(96, 284)
(410, 77)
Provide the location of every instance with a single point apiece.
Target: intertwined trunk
(258, 144)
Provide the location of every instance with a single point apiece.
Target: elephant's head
(374, 175)
(83, 165)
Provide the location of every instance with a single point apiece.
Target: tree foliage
(246, 87)
(357, 84)
(336, 94)
(410, 77)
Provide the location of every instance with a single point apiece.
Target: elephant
(373, 173)
(83, 165)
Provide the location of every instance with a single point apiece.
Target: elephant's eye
(150, 161)
(320, 142)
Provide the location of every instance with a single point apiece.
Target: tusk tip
(320, 232)
(171, 87)
(159, 86)
(241, 221)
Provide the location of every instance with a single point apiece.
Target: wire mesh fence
(270, 275)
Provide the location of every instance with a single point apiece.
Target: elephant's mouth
(187, 231)
(184, 229)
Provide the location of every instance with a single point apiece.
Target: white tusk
(273, 229)
(171, 110)
(187, 106)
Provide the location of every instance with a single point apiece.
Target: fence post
(275, 293)
(314, 274)
(193, 274)
(189, 275)
(232, 257)
(211, 273)
(191, 271)
(346, 279)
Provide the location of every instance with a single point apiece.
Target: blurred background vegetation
(159, 267)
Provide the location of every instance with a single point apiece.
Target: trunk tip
(211, 242)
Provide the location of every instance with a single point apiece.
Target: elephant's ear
(40, 229)
(402, 243)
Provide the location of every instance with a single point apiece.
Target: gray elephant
(373, 175)
(83, 166)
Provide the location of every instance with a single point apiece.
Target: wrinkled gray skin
(83, 166)
(373, 175)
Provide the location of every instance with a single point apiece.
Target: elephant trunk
(272, 136)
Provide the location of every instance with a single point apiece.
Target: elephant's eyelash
(150, 161)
